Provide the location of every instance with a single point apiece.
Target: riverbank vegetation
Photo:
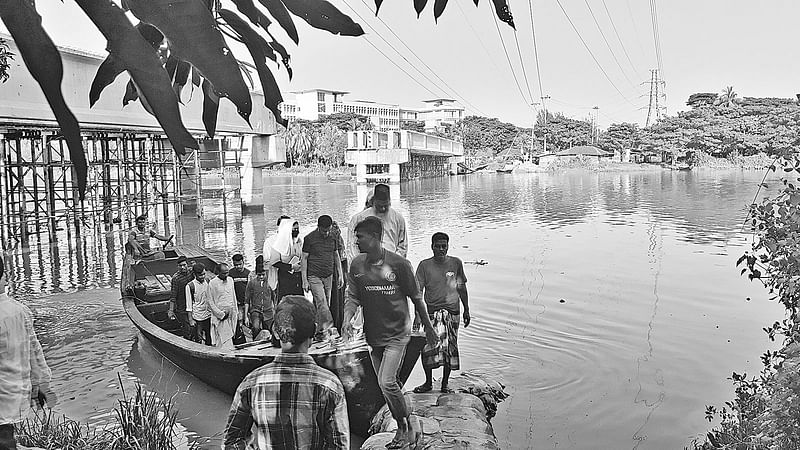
(765, 413)
(141, 422)
(721, 130)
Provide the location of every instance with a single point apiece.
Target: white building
(313, 103)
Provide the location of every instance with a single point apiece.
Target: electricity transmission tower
(656, 108)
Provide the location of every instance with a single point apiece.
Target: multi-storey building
(313, 103)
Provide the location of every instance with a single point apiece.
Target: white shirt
(197, 305)
(22, 361)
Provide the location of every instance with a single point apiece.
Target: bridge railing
(404, 139)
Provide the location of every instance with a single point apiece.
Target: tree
(728, 98)
(620, 136)
(563, 132)
(478, 133)
(5, 56)
(347, 121)
(173, 40)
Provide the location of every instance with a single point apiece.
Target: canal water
(610, 303)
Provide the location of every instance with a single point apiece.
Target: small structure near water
(457, 420)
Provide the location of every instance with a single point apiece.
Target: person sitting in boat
(259, 299)
(139, 239)
(380, 282)
(224, 312)
(444, 284)
(177, 300)
(240, 276)
(197, 299)
(293, 402)
(282, 253)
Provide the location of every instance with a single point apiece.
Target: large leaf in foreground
(110, 68)
(504, 12)
(256, 45)
(248, 8)
(210, 108)
(324, 16)
(141, 61)
(279, 12)
(194, 38)
(438, 8)
(43, 61)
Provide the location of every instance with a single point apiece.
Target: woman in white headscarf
(282, 252)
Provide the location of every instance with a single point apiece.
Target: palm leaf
(279, 12)
(194, 38)
(503, 12)
(438, 9)
(43, 61)
(248, 8)
(378, 4)
(419, 5)
(110, 68)
(256, 45)
(153, 85)
(210, 108)
(281, 51)
(324, 16)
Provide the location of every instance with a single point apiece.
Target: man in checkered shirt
(294, 403)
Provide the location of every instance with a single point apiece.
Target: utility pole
(595, 126)
(544, 107)
(657, 88)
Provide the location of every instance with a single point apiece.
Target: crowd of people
(290, 402)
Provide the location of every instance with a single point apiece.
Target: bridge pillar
(394, 173)
(265, 150)
(453, 162)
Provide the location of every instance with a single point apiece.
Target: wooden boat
(508, 168)
(146, 304)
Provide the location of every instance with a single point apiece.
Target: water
(610, 304)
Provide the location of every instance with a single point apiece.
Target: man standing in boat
(240, 275)
(293, 403)
(380, 281)
(259, 299)
(139, 238)
(177, 300)
(224, 312)
(395, 235)
(24, 375)
(444, 284)
(320, 261)
(197, 299)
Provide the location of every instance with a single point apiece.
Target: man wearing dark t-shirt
(445, 288)
(380, 281)
(240, 276)
(320, 261)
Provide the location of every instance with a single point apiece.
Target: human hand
(347, 331)
(296, 267)
(432, 337)
(417, 322)
(467, 318)
(340, 283)
(191, 321)
(247, 320)
(306, 286)
(171, 314)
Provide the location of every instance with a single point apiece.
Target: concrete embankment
(457, 420)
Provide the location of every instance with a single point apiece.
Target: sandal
(446, 390)
(423, 388)
(397, 443)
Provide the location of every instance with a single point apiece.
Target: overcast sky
(705, 46)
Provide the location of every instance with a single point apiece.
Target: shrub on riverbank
(757, 161)
(766, 410)
(142, 422)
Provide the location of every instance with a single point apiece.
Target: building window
(320, 96)
(321, 107)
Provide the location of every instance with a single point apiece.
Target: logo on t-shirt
(450, 274)
(391, 276)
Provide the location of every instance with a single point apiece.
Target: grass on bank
(142, 422)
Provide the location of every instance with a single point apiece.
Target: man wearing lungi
(444, 284)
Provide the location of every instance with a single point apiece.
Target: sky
(705, 46)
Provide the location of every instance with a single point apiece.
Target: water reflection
(610, 302)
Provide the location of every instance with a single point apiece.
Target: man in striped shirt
(294, 403)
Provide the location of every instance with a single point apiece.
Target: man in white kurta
(224, 312)
(395, 235)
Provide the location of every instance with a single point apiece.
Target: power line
(399, 67)
(420, 60)
(478, 36)
(635, 28)
(522, 64)
(535, 49)
(603, 35)
(510, 66)
(621, 44)
(656, 35)
(590, 51)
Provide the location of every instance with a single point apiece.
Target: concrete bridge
(392, 156)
